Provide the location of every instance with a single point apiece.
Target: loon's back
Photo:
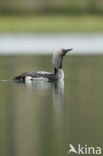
(40, 75)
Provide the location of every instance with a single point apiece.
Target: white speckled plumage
(43, 72)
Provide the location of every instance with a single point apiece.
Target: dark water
(42, 119)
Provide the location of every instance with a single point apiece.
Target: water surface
(42, 119)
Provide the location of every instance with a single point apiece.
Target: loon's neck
(59, 73)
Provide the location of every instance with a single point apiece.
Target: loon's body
(42, 75)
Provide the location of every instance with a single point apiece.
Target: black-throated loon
(42, 75)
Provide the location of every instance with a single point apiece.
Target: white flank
(28, 78)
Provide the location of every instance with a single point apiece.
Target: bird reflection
(58, 94)
(41, 113)
(39, 87)
(42, 87)
(58, 91)
(58, 115)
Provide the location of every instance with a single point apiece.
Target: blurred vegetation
(51, 16)
(51, 23)
(51, 7)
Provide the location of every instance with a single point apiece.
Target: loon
(43, 75)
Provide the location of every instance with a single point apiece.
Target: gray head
(58, 58)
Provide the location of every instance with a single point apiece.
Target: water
(42, 119)
(82, 43)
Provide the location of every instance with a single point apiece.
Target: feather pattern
(33, 75)
(42, 75)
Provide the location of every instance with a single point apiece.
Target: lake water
(41, 43)
(42, 119)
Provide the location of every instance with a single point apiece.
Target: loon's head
(58, 58)
(57, 61)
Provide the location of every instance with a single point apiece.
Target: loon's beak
(67, 50)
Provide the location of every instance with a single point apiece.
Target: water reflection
(44, 118)
(58, 92)
(55, 118)
(42, 87)
(58, 115)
